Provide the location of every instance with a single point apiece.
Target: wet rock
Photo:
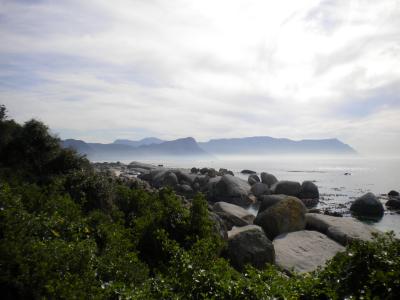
(253, 178)
(304, 251)
(367, 206)
(290, 188)
(245, 171)
(252, 247)
(268, 179)
(309, 190)
(258, 189)
(342, 230)
(285, 216)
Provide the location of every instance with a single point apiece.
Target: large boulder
(170, 179)
(259, 189)
(309, 190)
(285, 216)
(267, 201)
(233, 190)
(233, 215)
(250, 246)
(185, 177)
(304, 251)
(393, 203)
(367, 206)
(268, 179)
(393, 193)
(341, 229)
(237, 230)
(157, 177)
(290, 188)
(218, 225)
(253, 178)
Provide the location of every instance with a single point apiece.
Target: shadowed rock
(367, 206)
(290, 188)
(268, 179)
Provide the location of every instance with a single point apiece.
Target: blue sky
(101, 70)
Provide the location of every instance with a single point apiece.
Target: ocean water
(337, 190)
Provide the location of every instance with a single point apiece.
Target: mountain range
(153, 147)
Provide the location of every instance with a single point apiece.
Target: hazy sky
(100, 70)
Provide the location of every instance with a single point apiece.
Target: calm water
(377, 175)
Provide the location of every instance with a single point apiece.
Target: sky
(99, 70)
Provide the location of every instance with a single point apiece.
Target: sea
(340, 179)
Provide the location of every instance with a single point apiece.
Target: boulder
(253, 178)
(203, 171)
(233, 215)
(245, 171)
(185, 177)
(250, 246)
(393, 194)
(138, 165)
(194, 170)
(202, 180)
(170, 179)
(259, 189)
(211, 172)
(393, 203)
(218, 225)
(236, 230)
(285, 216)
(268, 200)
(290, 188)
(157, 177)
(341, 229)
(309, 190)
(209, 188)
(268, 179)
(304, 251)
(223, 171)
(184, 188)
(367, 206)
(233, 190)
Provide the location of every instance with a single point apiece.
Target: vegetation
(68, 232)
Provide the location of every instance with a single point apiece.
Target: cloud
(101, 70)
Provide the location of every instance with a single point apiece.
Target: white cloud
(298, 69)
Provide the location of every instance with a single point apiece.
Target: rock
(211, 173)
(259, 189)
(223, 172)
(185, 177)
(248, 172)
(202, 180)
(203, 171)
(252, 247)
(233, 215)
(139, 165)
(309, 190)
(236, 230)
(232, 190)
(285, 216)
(157, 177)
(218, 225)
(393, 194)
(367, 206)
(170, 179)
(304, 251)
(268, 179)
(393, 203)
(184, 188)
(209, 189)
(268, 200)
(342, 230)
(194, 170)
(253, 178)
(290, 188)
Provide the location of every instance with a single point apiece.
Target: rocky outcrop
(253, 178)
(250, 246)
(309, 190)
(258, 189)
(342, 230)
(267, 201)
(233, 215)
(232, 190)
(285, 216)
(268, 179)
(367, 206)
(290, 188)
(304, 251)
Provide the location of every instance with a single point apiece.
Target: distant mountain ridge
(188, 147)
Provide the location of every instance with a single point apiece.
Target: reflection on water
(340, 179)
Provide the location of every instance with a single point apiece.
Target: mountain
(185, 147)
(142, 142)
(267, 145)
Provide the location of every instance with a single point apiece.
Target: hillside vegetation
(68, 232)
